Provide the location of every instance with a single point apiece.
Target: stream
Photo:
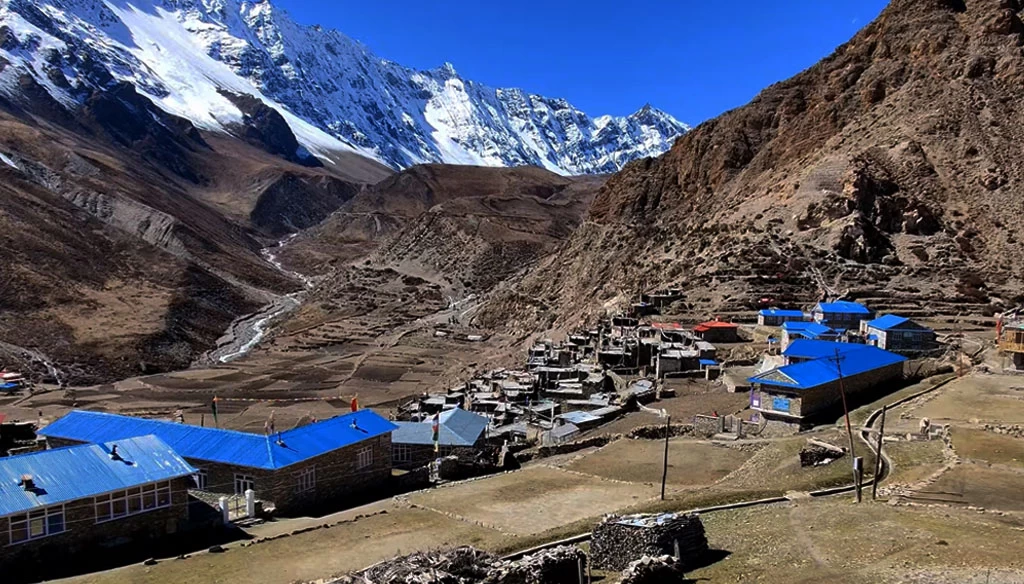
(247, 332)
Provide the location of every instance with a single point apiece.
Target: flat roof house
(55, 504)
(899, 334)
(808, 389)
(717, 331)
(813, 331)
(841, 315)
(309, 465)
(412, 443)
(777, 316)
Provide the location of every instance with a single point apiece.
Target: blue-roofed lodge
(808, 387)
(57, 504)
(316, 464)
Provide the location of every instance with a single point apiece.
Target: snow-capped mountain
(189, 56)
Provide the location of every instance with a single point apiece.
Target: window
(365, 457)
(201, 479)
(132, 501)
(401, 453)
(306, 479)
(37, 524)
(243, 483)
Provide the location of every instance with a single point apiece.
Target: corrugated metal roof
(227, 446)
(77, 472)
(807, 349)
(781, 312)
(843, 307)
(891, 321)
(809, 374)
(456, 428)
(579, 417)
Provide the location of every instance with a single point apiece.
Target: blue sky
(693, 59)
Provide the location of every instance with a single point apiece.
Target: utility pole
(878, 455)
(664, 472)
(846, 414)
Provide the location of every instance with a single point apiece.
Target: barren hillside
(891, 171)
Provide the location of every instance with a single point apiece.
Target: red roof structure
(714, 324)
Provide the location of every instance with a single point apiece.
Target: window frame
(134, 501)
(401, 453)
(244, 480)
(305, 480)
(202, 479)
(367, 452)
(25, 521)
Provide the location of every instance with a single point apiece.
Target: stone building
(458, 430)
(300, 468)
(810, 387)
(841, 315)
(777, 316)
(59, 504)
(898, 334)
(717, 331)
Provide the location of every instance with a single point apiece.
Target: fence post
(250, 503)
(224, 511)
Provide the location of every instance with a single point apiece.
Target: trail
(247, 332)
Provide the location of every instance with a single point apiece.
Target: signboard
(780, 404)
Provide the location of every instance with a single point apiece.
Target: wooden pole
(858, 475)
(846, 414)
(878, 455)
(664, 472)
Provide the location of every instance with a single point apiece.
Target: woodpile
(654, 570)
(468, 565)
(620, 540)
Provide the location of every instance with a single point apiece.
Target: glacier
(334, 93)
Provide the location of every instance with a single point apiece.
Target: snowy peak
(333, 92)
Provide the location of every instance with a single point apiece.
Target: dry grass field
(690, 463)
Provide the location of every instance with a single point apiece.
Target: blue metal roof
(77, 472)
(843, 307)
(891, 321)
(808, 349)
(810, 329)
(226, 446)
(810, 374)
(457, 427)
(708, 362)
(781, 312)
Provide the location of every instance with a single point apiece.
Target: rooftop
(843, 306)
(781, 312)
(87, 470)
(810, 374)
(226, 446)
(891, 321)
(807, 349)
(456, 427)
(810, 328)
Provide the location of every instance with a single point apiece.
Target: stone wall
(337, 475)
(619, 540)
(83, 536)
(708, 425)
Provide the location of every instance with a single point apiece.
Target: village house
(777, 316)
(61, 503)
(841, 315)
(898, 334)
(793, 331)
(717, 331)
(1010, 338)
(412, 443)
(810, 387)
(299, 468)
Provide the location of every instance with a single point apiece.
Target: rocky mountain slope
(246, 69)
(466, 227)
(130, 239)
(891, 171)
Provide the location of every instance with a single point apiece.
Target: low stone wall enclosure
(619, 540)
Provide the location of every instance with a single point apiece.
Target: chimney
(27, 482)
(113, 453)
